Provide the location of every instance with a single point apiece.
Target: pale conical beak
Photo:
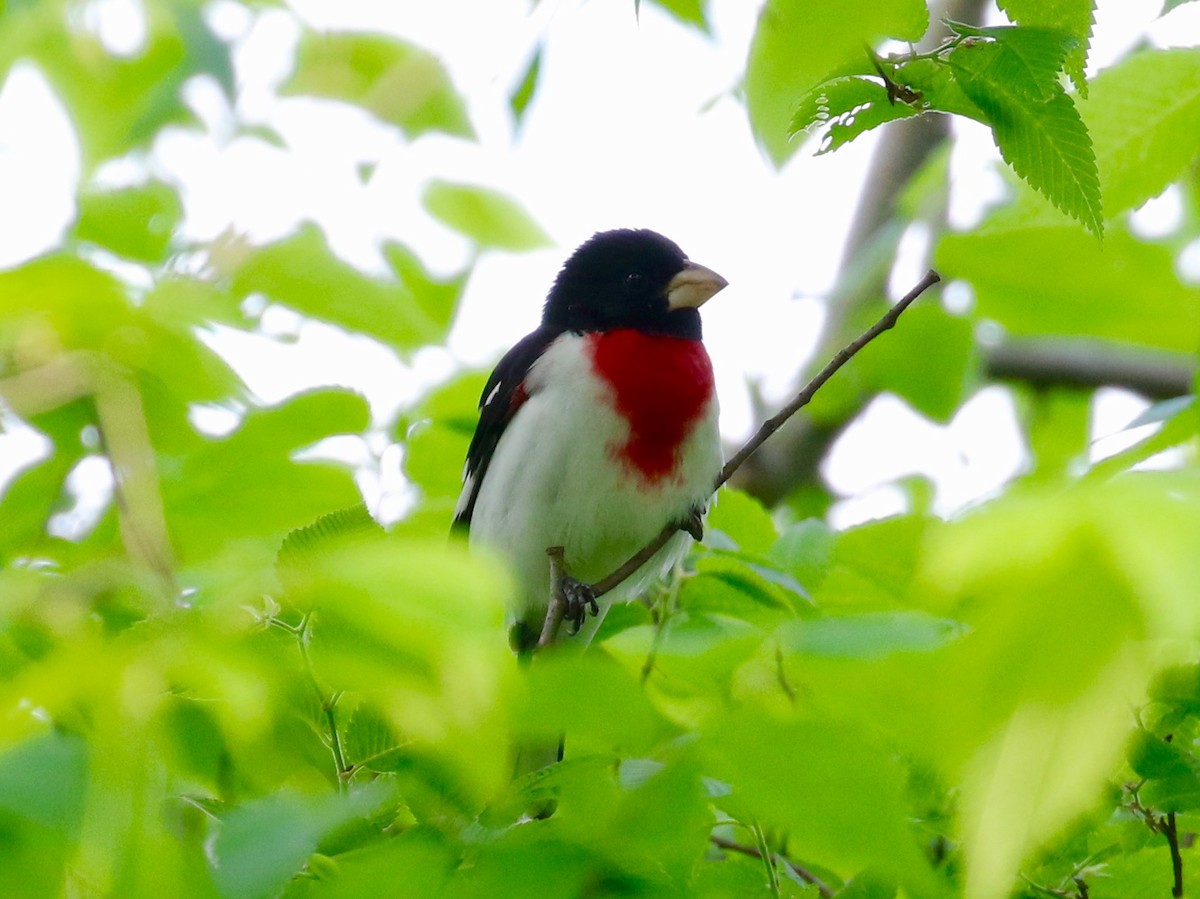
(693, 287)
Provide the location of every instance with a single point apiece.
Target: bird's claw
(580, 600)
(693, 523)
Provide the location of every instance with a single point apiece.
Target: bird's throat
(661, 386)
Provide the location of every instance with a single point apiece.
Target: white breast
(554, 480)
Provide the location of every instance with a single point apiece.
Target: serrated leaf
(371, 741)
(400, 83)
(1033, 58)
(488, 217)
(800, 43)
(847, 107)
(304, 547)
(1046, 143)
(1075, 17)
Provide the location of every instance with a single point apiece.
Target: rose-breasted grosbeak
(600, 427)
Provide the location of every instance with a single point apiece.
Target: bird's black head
(630, 279)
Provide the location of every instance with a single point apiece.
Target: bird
(597, 429)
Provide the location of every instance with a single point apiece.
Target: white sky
(633, 125)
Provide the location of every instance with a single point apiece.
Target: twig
(1172, 834)
(754, 852)
(558, 604)
(302, 632)
(770, 426)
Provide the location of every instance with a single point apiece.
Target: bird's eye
(635, 281)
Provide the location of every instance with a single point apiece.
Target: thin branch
(773, 424)
(754, 852)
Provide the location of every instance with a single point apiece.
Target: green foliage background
(1006, 702)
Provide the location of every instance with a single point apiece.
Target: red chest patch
(661, 386)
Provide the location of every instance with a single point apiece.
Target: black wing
(502, 396)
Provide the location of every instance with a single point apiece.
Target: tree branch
(1090, 364)
(770, 426)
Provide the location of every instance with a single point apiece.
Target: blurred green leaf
(136, 222)
(868, 635)
(487, 217)
(742, 519)
(1069, 284)
(689, 12)
(265, 842)
(303, 273)
(396, 81)
(1144, 117)
(838, 795)
(117, 104)
(43, 779)
(520, 98)
(247, 484)
(934, 383)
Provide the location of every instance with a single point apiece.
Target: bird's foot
(580, 600)
(693, 523)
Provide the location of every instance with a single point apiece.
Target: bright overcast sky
(633, 125)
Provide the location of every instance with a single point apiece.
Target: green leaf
(82, 304)
(868, 635)
(303, 273)
(487, 217)
(689, 12)
(1169, 5)
(873, 564)
(848, 107)
(843, 806)
(934, 384)
(1151, 756)
(1144, 118)
(1127, 290)
(1075, 17)
(800, 43)
(805, 549)
(396, 81)
(44, 780)
(742, 519)
(116, 104)
(136, 222)
(1032, 58)
(1046, 142)
(247, 485)
(265, 842)
(520, 98)
(616, 716)
(370, 740)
